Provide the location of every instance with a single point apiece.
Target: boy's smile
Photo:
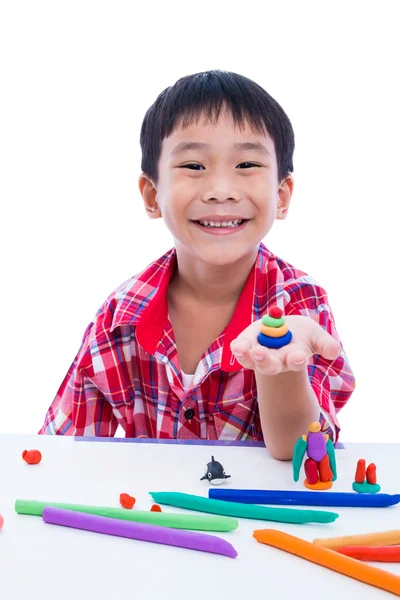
(217, 190)
(221, 224)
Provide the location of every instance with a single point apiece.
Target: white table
(46, 561)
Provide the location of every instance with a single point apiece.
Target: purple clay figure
(320, 466)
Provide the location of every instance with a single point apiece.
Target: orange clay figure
(32, 457)
(368, 486)
(320, 466)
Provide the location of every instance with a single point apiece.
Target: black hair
(206, 94)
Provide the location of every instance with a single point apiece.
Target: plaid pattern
(127, 371)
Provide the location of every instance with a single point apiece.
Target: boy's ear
(149, 194)
(284, 196)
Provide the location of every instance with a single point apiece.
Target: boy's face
(217, 190)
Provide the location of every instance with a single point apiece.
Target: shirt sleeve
(79, 407)
(332, 381)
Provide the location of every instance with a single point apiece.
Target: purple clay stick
(139, 531)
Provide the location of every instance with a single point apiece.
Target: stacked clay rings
(274, 333)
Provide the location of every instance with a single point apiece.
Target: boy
(173, 352)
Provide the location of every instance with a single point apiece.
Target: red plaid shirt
(127, 370)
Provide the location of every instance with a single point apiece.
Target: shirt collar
(145, 305)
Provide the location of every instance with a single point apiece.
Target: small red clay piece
(155, 508)
(360, 471)
(365, 478)
(1, 521)
(372, 553)
(127, 501)
(325, 471)
(371, 473)
(311, 471)
(275, 312)
(32, 457)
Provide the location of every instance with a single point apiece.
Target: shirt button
(189, 414)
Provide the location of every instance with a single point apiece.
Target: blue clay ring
(271, 342)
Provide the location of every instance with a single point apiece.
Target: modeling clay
(379, 538)
(320, 466)
(248, 511)
(330, 559)
(372, 553)
(215, 472)
(139, 531)
(32, 457)
(127, 501)
(297, 498)
(174, 520)
(360, 471)
(156, 508)
(273, 331)
(365, 478)
(371, 474)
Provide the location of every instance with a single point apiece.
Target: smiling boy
(173, 352)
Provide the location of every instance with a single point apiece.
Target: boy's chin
(218, 257)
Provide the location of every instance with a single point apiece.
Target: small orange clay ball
(127, 501)
(314, 427)
(1, 521)
(155, 508)
(32, 457)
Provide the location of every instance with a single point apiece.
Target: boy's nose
(220, 198)
(221, 193)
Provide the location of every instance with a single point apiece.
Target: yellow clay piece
(314, 427)
(274, 331)
(377, 538)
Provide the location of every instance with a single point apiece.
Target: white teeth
(232, 223)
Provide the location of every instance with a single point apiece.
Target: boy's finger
(241, 351)
(246, 362)
(240, 346)
(267, 363)
(296, 361)
(325, 345)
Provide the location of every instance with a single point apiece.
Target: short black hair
(206, 94)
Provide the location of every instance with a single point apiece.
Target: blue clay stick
(300, 498)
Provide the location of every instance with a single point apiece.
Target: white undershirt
(187, 381)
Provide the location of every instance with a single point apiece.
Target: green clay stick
(173, 520)
(238, 509)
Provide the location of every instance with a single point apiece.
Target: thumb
(325, 345)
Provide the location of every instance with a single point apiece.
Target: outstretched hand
(308, 339)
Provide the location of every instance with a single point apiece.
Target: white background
(76, 78)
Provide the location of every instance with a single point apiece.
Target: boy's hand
(308, 339)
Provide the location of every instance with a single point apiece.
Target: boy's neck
(210, 285)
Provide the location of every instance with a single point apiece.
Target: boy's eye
(193, 166)
(247, 165)
(198, 167)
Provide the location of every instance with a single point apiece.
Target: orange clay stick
(372, 553)
(330, 559)
(380, 538)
